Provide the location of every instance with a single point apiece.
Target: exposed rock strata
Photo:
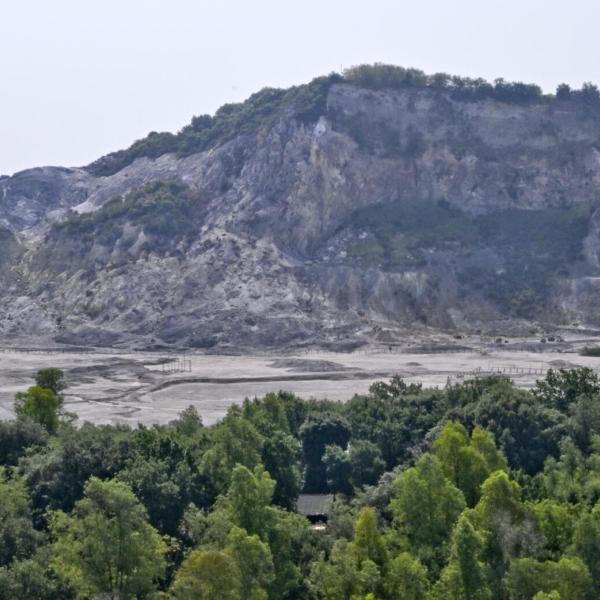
(391, 210)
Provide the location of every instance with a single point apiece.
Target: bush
(590, 351)
(381, 76)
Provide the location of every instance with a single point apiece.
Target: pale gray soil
(307, 365)
(132, 387)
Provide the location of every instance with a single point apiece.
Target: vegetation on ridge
(308, 103)
(231, 120)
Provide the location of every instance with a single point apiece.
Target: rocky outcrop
(386, 209)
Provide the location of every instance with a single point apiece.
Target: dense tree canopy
(106, 546)
(475, 492)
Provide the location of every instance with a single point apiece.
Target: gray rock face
(42, 195)
(395, 209)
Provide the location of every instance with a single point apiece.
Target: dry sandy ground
(121, 387)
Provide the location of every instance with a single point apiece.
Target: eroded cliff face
(399, 209)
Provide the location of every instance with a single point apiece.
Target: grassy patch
(531, 246)
(402, 231)
(535, 245)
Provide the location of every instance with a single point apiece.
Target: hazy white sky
(80, 78)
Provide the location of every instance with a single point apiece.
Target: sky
(79, 79)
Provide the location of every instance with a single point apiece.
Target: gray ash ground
(135, 387)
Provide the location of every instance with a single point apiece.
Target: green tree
(556, 522)
(562, 387)
(464, 578)
(396, 388)
(425, 509)
(369, 580)
(586, 542)
(572, 580)
(247, 505)
(41, 405)
(34, 579)
(395, 417)
(499, 495)
(338, 469)
(509, 529)
(56, 477)
(249, 499)
(267, 414)
(107, 546)
(207, 575)
(563, 91)
(188, 423)
(502, 515)
(366, 463)
(294, 547)
(368, 543)
(51, 379)
(584, 421)
(343, 578)
(528, 576)
(282, 456)
(163, 470)
(568, 577)
(338, 577)
(275, 417)
(466, 461)
(17, 436)
(165, 491)
(553, 595)
(483, 441)
(316, 434)
(234, 441)
(526, 430)
(565, 479)
(18, 538)
(254, 562)
(406, 578)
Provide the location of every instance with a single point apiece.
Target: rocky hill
(353, 208)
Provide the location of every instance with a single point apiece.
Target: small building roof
(314, 504)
